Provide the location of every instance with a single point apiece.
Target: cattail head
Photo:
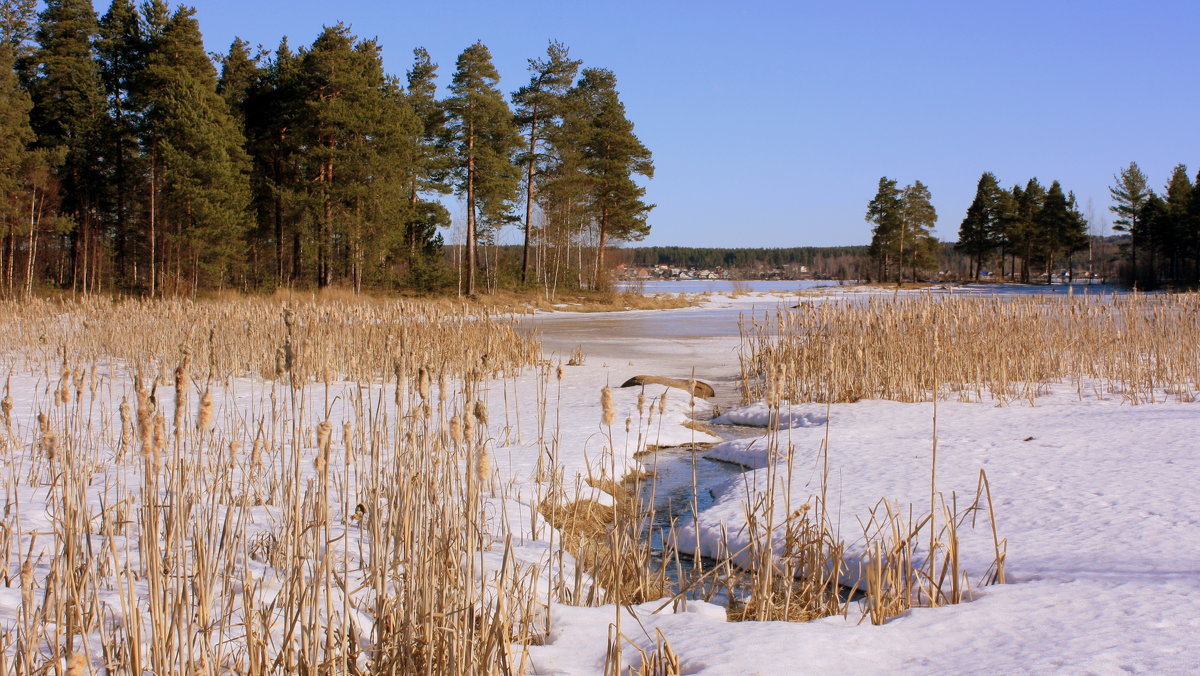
(662, 403)
(423, 382)
(606, 404)
(50, 445)
(256, 452)
(205, 413)
(323, 433)
(347, 436)
(126, 425)
(641, 403)
(159, 444)
(481, 412)
(483, 466)
(558, 372)
(456, 432)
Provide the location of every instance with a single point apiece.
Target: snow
(1096, 498)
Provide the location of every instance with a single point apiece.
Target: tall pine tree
(978, 235)
(610, 156)
(918, 246)
(1129, 195)
(481, 132)
(199, 166)
(63, 79)
(885, 211)
(539, 110)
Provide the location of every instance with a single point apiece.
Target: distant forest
(1101, 258)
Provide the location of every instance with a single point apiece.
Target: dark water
(685, 484)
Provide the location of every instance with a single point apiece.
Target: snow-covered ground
(1095, 497)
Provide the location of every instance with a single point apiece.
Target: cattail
(182, 385)
(423, 383)
(662, 404)
(159, 444)
(468, 427)
(483, 466)
(126, 426)
(347, 440)
(641, 402)
(27, 585)
(441, 389)
(559, 371)
(323, 432)
(606, 403)
(77, 665)
(205, 413)
(6, 406)
(256, 452)
(481, 412)
(50, 445)
(456, 432)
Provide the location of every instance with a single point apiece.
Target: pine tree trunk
(601, 276)
(529, 196)
(470, 210)
(153, 226)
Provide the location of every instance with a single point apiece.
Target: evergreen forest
(131, 161)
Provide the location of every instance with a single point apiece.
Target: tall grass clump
(1143, 348)
(253, 487)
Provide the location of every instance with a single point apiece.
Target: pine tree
(121, 53)
(68, 101)
(610, 156)
(428, 175)
(481, 132)
(918, 246)
(275, 118)
(239, 72)
(979, 233)
(1061, 230)
(18, 20)
(15, 135)
(539, 109)
(361, 145)
(885, 211)
(1192, 225)
(1129, 196)
(198, 165)
(1173, 235)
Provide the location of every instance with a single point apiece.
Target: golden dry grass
(1139, 347)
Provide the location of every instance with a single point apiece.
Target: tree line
(132, 161)
(834, 261)
(1163, 229)
(1021, 233)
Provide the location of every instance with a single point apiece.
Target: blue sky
(771, 122)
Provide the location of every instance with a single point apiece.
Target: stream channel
(677, 343)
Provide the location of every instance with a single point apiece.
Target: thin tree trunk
(153, 229)
(600, 278)
(470, 210)
(529, 195)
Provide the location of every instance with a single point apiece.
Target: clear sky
(771, 122)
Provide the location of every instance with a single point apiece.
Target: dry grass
(199, 522)
(1142, 348)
